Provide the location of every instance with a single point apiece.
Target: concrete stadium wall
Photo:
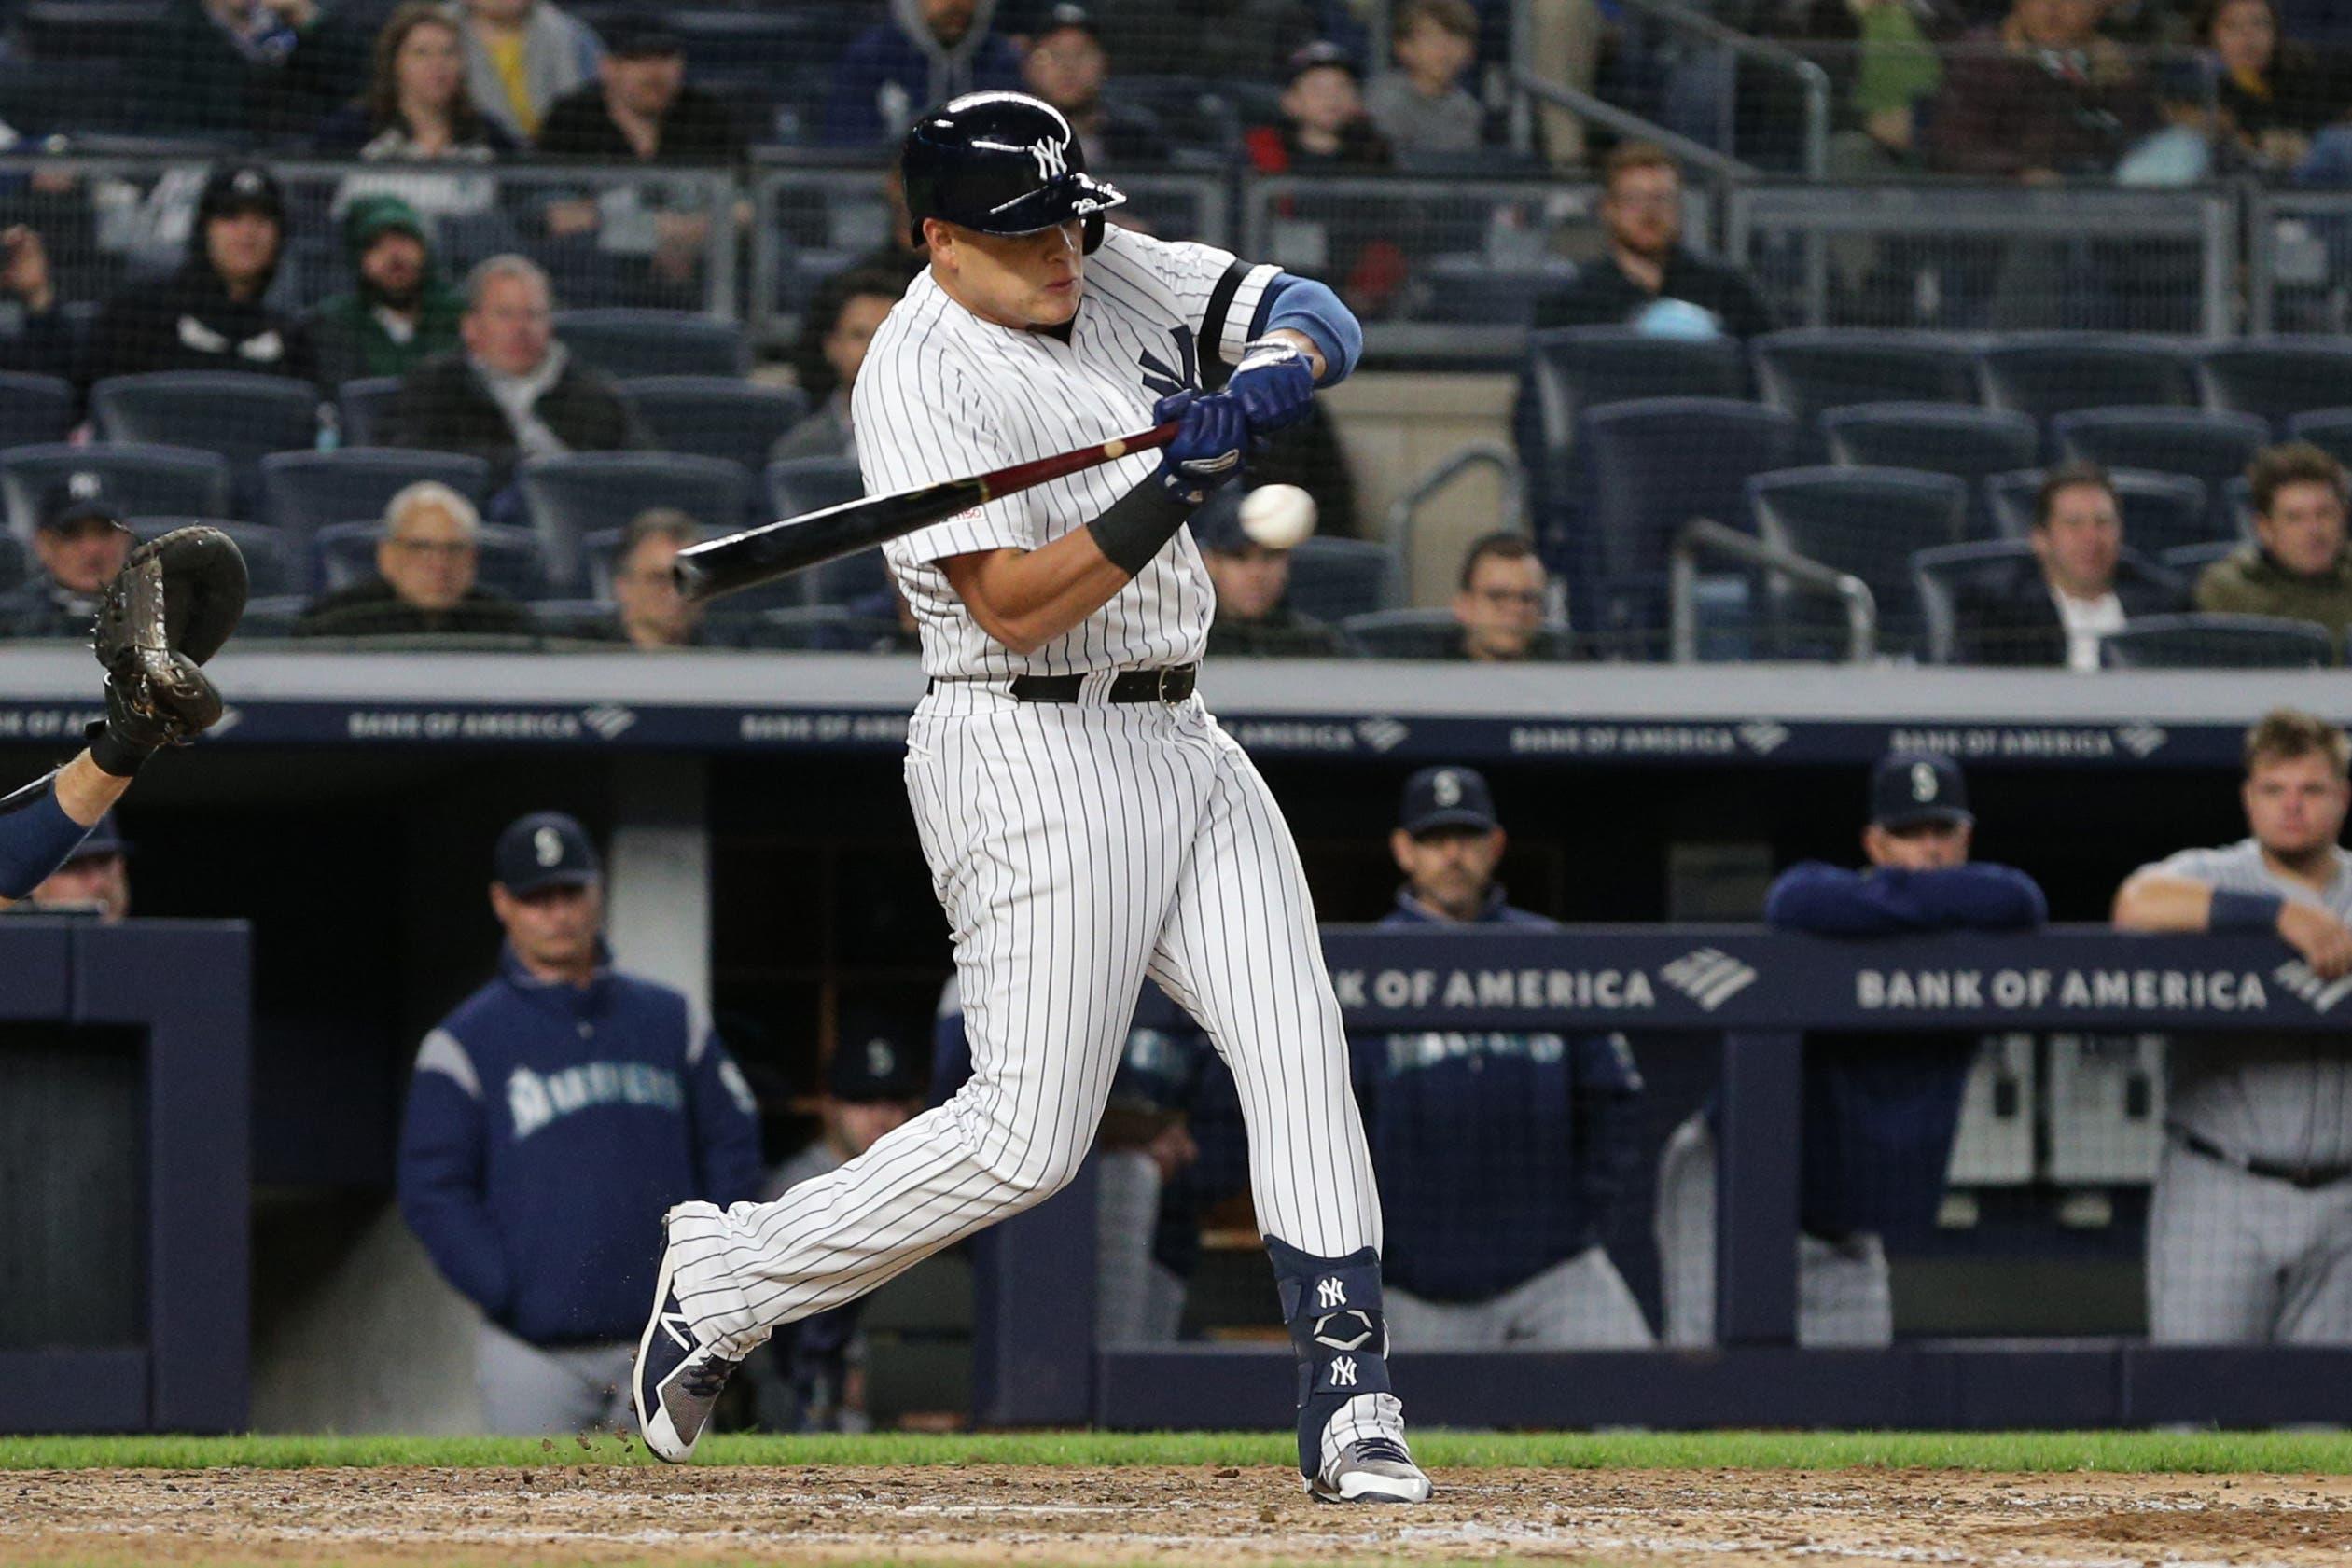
(1398, 426)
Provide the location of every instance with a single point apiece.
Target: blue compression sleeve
(1303, 305)
(35, 842)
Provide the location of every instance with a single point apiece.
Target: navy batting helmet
(1001, 163)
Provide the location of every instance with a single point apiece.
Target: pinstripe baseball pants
(1076, 848)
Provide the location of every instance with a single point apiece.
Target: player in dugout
(1879, 1113)
(1500, 1154)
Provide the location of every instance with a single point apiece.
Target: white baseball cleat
(677, 1379)
(1370, 1470)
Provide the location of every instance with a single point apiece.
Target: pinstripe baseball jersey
(944, 394)
(2286, 1098)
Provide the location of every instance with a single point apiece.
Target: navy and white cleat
(1371, 1470)
(677, 1379)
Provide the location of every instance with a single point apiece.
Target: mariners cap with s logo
(1909, 787)
(1447, 797)
(546, 849)
(880, 1054)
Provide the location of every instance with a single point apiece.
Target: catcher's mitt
(174, 604)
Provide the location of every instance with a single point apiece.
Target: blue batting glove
(1273, 385)
(1213, 432)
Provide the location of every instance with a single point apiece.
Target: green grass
(2304, 1453)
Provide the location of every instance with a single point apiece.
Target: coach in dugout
(2250, 1226)
(1879, 1112)
(1500, 1155)
(551, 1120)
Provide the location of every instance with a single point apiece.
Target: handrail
(1626, 123)
(1495, 454)
(1702, 536)
(1815, 79)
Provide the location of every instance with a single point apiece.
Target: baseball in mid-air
(1278, 516)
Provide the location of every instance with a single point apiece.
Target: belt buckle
(1161, 679)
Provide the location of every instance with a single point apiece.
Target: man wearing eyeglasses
(423, 582)
(1648, 278)
(1500, 600)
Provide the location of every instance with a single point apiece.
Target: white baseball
(1278, 516)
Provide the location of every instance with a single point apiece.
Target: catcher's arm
(176, 600)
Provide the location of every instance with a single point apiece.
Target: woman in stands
(417, 111)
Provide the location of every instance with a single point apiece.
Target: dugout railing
(1757, 991)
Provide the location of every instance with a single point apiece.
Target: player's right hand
(2323, 940)
(176, 600)
(1212, 433)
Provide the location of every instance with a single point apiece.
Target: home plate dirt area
(1024, 1514)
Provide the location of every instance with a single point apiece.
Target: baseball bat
(777, 550)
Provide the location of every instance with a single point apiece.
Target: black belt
(1173, 684)
(2303, 1176)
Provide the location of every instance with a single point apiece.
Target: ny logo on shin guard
(1345, 1331)
(1331, 1293)
(1343, 1372)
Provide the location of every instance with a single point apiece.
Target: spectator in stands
(1324, 129)
(417, 109)
(1500, 599)
(2272, 95)
(1878, 1112)
(399, 313)
(514, 391)
(653, 613)
(816, 1378)
(80, 543)
(1500, 1155)
(43, 343)
(1648, 278)
(1882, 64)
(96, 875)
(219, 67)
(928, 52)
(2076, 590)
(1067, 67)
(521, 57)
(552, 1120)
(2248, 1222)
(2297, 567)
(2042, 97)
(212, 314)
(850, 305)
(423, 584)
(1251, 579)
(640, 108)
(1422, 107)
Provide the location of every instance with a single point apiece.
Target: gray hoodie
(559, 52)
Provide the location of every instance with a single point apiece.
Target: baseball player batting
(1086, 820)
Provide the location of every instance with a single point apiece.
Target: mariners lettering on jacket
(535, 1099)
(2217, 991)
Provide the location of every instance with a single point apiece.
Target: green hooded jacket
(2249, 582)
(351, 338)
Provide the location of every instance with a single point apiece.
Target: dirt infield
(1026, 1515)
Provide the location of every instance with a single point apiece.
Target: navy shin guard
(1332, 1306)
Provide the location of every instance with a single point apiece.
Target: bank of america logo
(607, 723)
(1708, 977)
(1382, 734)
(2141, 739)
(2305, 981)
(1765, 737)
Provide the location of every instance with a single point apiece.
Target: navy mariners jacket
(1881, 1111)
(549, 1127)
(1499, 1154)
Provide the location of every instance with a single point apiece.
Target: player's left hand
(1273, 383)
(1212, 432)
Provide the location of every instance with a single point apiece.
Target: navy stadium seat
(364, 409)
(34, 408)
(13, 560)
(626, 344)
(2274, 378)
(1969, 444)
(2045, 374)
(1865, 522)
(2192, 560)
(2329, 429)
(243, 417)
(1811, 372)
(1332, 579)
(2214, 447)
(1936, 575)
(570, 497)
(1432, 633)
(807, 484)
(717, 416)
(511, 561)
(2218, 642)
(143, 479)
(2160, 510)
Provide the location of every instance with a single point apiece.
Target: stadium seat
(313, 488)
(2191, 559)
(148, 480)
(846, 579)
(798, 628)
(2045, 374)
(243, 417)
(1936, 575)
(52, 30)
(717, 416)
(271, 567)
(1432, 633)
(1332, 579)
(34, 408)
(1654, 464)
(570, 497)
(2241, 494)
(2329, 429)
(13, 560)
(576, 621)
(1969, 444)
(1577, 368)
(2274, 378)
(512, 560)
(364, 409)
(2218, 642)
(628, 344)
(1867, 521)
(1810, 371)
(2160, 510)
(273, 618)
(2214, 447)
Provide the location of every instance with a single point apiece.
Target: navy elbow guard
(35, 838)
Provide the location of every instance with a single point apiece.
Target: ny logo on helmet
(1053, 161)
